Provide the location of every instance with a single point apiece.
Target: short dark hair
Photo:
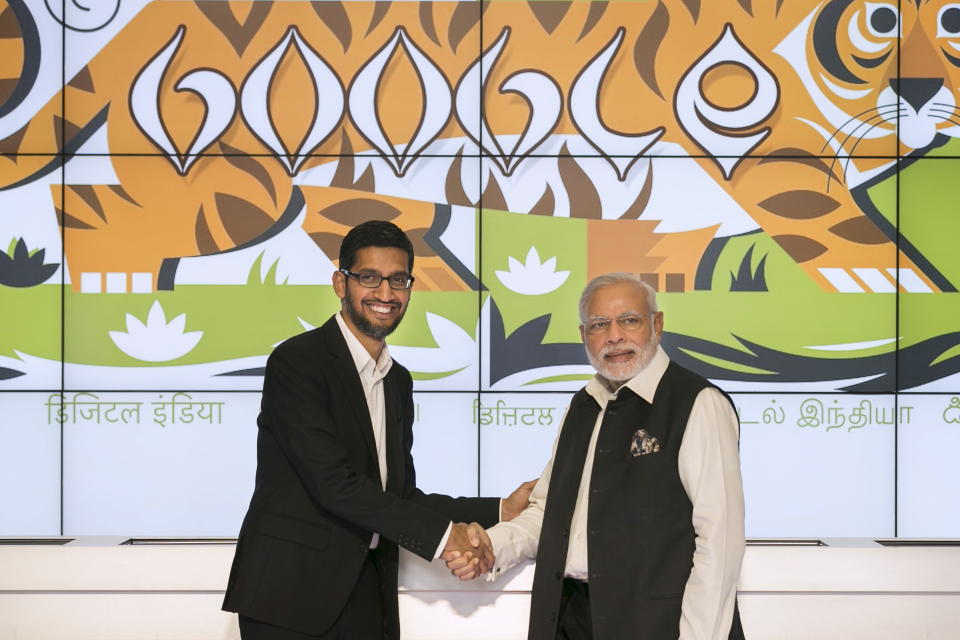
(374, 233)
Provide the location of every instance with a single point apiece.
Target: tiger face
(880, 72)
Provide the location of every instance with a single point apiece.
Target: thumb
(473, 533)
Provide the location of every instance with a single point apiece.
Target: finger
(459, 563)
(469, 568)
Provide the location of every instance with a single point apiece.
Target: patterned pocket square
(643, 443)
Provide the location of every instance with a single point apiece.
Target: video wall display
(176, 178)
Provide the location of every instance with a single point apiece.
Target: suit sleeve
(485, 511)
(293, 412)
(709, 466)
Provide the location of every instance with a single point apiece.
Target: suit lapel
(349, 380)
(394, 433)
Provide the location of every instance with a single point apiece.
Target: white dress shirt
(372, 373)
(709, 470)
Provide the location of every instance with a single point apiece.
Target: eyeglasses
(372, 280)
(627, 322)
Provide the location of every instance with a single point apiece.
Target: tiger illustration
(224, 121)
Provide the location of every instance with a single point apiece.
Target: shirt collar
(361, 357)
(644, 384)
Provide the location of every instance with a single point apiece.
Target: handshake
(469, 552)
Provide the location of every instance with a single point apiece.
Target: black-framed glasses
(626, 321)
(372, 279)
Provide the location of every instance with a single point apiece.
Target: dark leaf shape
(380, 9)
(427, 22)
(800, 204)
(7, 374)
(635, 210)
(421, 248)
(206, 245)
(83, 81)
(249, 165)
(87, 193)
(800, 248)
(693, 6)
(648, 43)
(492, 197)
(237, 34)
(358, 210)
(860, 230)
(453, 186)
(596, 12)
(24, 270)
(581, 194)
(11, 144)
(329, 243)
(464, 17)
(242, 219)
(549, 13)
(545, 205)
(366, 181)
(335, 17)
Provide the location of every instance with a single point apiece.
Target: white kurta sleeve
(709, 466)
(517, 540)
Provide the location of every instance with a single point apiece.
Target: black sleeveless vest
(640, 537)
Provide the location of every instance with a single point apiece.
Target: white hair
(616, 277)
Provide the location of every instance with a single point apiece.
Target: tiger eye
(883, 20)
(950, 20)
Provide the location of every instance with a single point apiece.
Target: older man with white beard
(637, 521)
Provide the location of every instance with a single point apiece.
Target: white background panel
(29, 466)
(517, 431)
(189, 476)
(445, 443)
(928, 476)
(817, 465)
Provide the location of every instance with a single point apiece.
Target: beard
(367, 328)
(620, 373)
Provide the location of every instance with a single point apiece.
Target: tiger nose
(916, 91)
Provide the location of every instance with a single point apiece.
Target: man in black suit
(637, 522)
(335, 485)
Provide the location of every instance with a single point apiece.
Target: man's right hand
(469, 552)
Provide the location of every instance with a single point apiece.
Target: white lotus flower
(532, 278)
(157, 340)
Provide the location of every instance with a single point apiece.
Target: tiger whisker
(890, 109)
(850, 157)
(952, 112)
(950, 120)
(836, 157)
(863, 113)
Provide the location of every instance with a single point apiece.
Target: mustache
(618, 349)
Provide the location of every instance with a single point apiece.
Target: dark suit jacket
(318, 496)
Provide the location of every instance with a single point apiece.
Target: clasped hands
(469, 552)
